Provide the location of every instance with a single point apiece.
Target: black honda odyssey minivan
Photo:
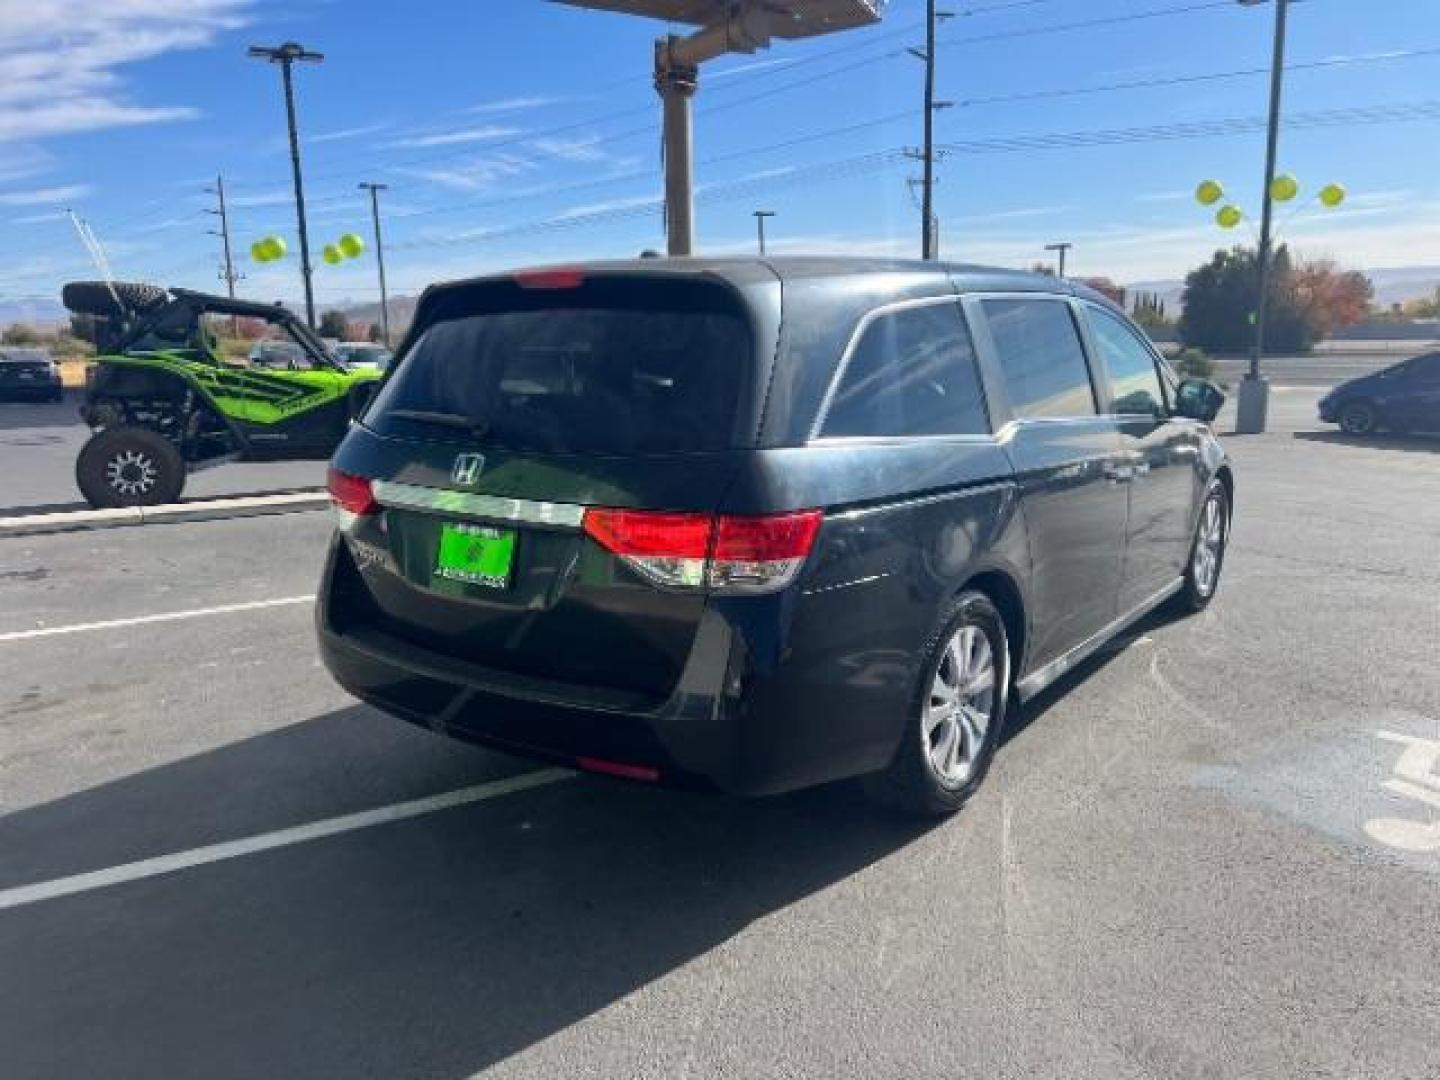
(753, 524)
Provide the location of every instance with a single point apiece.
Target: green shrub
(1193, 362)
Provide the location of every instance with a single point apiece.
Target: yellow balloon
(1209, 193)
(1227, 217)
(1332, 195)
(277, 248)
(350, 245)
(259, 252)
(1284, 187)
(332, 254)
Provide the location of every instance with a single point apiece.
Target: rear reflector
(549, 279)
(350, 493)
(691, 551)
(618, 768)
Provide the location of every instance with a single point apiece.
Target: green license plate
(476, 555)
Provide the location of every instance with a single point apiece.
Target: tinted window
(912, 373)
(1134, 382)
(1041, 356)
(579, 379)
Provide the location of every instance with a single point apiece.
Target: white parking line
(142, 620)
(299, 834)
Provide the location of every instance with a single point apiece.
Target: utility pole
(375, 190)
(928, 228)
(1254, 398)
(228, 275)
(285, 55)
(1061, 249)
(760, 216)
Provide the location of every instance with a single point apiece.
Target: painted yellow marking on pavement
(299, 834)
(144, 620)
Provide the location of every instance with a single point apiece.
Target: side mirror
(1199, 399)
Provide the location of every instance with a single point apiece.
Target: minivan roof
(749, 270)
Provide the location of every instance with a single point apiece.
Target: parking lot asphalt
(40, 441)
(1208, 853)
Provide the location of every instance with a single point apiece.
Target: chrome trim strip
(392, 493)
(1038, 680)
(867, 580)
(910, 502)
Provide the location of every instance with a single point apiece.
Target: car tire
(1358, 418)
(1207, 550)
(945, 752)
(129, 466)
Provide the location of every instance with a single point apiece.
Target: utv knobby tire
(138, 449)
(94, 298)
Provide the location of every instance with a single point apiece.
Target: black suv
(758, 524)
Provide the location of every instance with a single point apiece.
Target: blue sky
(516, 132)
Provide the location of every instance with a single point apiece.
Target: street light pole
(1253, 403)
(760, 216)
(1061, 248)
(285, 55)
(375, 190)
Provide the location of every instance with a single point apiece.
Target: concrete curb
(290, 502)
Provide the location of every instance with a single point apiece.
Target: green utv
(161, 400)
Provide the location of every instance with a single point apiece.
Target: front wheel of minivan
(956, 716)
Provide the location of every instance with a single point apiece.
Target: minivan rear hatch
(517, 405)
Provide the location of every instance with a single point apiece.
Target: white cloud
(44, 196)
(515, 104)
(60, 59)
(608, 205)
(478, 174)
(345, 133)
(585, 150)
(455, 138)
(38, 219)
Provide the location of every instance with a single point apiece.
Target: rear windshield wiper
(445, 419)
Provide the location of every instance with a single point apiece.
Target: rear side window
(911, 373)
(1041, 356)
(605, 370)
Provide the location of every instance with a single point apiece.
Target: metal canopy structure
(723, 26)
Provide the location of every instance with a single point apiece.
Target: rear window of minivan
(610, 367)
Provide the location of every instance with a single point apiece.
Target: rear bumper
(734, 722)
(30, 389)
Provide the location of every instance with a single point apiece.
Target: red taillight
(764, 539)
(725, 554)
(351, 493)
(645, 532)
(559, 278)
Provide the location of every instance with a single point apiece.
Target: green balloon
(332, 255)
(1209, 192)
(1332, 195)
(1227, 217)
(1284, 187)
(276, 247)
(259, 252)
(351, 245)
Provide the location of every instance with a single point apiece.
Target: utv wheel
(1207, 550)
(1357, 418)
(129, 466)
(956, 714)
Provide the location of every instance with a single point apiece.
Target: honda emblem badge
(466, 469)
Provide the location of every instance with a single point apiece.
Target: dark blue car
(1405, 397)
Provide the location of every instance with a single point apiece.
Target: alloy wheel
(960, 706)
(132, 472)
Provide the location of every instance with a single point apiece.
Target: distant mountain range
(1393, 285)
